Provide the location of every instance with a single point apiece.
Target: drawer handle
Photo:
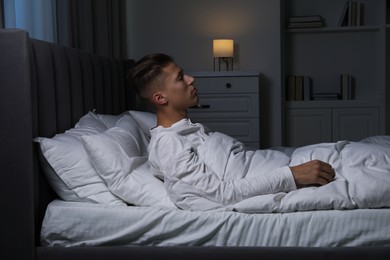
(228, 85)
(201, 106)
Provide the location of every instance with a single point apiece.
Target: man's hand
(313, 172)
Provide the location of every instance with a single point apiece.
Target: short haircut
(147, 73)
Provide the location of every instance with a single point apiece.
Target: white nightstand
(229, 103)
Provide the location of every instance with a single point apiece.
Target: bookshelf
(324, 53)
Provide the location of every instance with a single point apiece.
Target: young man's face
(179, 89)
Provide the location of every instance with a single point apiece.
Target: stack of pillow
(103, 159)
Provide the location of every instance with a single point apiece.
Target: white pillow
(72, 176)
(377, 139)
(55, 181)
(145, 120)
(109, 120)
(120, 157)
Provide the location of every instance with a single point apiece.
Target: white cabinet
(323, 54)
(319, 123)
(229, 103)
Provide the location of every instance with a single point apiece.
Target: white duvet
(362, 180)
(362, 174)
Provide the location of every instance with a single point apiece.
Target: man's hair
(147, 73)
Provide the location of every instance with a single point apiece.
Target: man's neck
(167, 118)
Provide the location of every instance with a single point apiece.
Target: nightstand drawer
(227, 85)
(245, 129)
(227, 106)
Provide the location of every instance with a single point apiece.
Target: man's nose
(189, 79)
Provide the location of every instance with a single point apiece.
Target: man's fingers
(329, 172)
(327, 168)
(327, 176)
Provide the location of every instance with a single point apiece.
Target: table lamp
(223, 51)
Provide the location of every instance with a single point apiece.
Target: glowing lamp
(223, 51)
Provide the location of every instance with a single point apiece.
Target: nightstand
(229, 102)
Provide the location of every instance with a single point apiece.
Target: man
(205, 170)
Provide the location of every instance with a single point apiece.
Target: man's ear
(159, 98)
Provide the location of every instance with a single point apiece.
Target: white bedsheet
(83, 224)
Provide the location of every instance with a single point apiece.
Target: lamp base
(228, 63)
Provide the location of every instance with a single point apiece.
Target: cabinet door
(354, 124)
(308, 126)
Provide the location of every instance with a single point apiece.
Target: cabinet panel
(355, 124)
(308, 126)
(227, 105)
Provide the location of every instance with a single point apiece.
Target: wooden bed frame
(44, 89)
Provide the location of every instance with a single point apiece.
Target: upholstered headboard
(44, 89)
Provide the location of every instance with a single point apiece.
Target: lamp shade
(223, 48)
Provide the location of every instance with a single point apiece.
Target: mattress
(85, 224)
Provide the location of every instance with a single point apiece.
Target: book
(346, 87)
(305, 25)
(358, 13)
(326, 96)
(290, 93)
(298, 87)
(351, 14)
(309, 21)
(343, 21)
(344, 81)
(353, 18)
(307, 88)
(307, 18)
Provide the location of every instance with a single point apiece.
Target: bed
(45, 89)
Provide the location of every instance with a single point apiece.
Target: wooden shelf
(335, 29)
(333, 103)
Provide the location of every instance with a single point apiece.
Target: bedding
(114, 148)
(69, 224)
(209, 171)
(338, 214)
